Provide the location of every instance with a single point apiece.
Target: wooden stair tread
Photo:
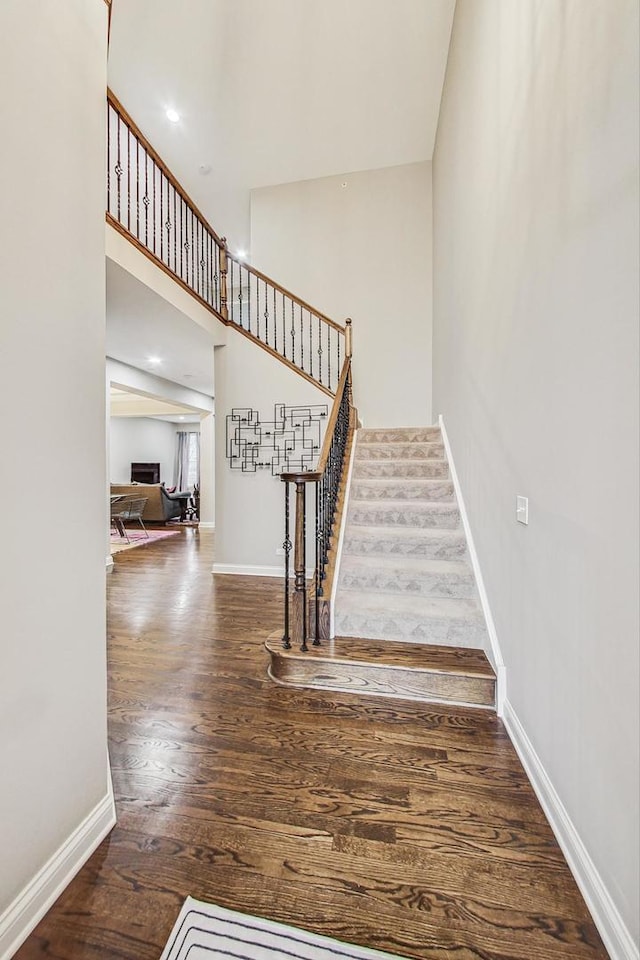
(393, 655)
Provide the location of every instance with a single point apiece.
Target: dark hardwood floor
(402, 826)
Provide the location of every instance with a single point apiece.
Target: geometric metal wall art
(289, 443)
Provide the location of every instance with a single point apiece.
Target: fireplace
(145, 473)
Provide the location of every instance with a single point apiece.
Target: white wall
(53, 737)
(364, 251)
(249, 508)
(146, 440)
(536, 373)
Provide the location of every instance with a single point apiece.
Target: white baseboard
(495, 654)
(248, 570)
(251, 570)
(31, 904)
(206, 525)
(612, 929)
(109, 564)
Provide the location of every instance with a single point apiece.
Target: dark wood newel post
(224, 311)
(299, 618)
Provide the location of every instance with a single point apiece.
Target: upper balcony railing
(146, 203)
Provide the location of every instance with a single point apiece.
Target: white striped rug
(204, 931)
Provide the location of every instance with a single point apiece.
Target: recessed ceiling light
(173, 115)
(241, 254)
(154, 360)
(180, 418)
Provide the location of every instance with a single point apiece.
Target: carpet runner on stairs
(405, 573)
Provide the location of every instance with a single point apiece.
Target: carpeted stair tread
(401, 488)
(414, 468)
(386, 541)
(453, 622)
(400, 451)
(399, 435)
(409, 513)
(408, 575)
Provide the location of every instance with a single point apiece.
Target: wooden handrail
(128, 119)
(292, 296)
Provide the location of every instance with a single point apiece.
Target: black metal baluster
(293, 334)
(310, 344)
(284, 336)
(319, 350)
(286, 546)
(138, 189)
(118, 167)
(301, 566)
(266, 314)
(316, 638)
(275, 325)
(339, 366)
(145, 199)
(175, 231)
(181, 240)
(109, 111)
(249, 299)
(240, 293)
(329, 356)
(168, 224)
(232, 303)
(200, 229)
(163, 225)
(301, 342)
(128, 178)
(212, 271)
(258, 307)
(216, 260)
(192, 248)
(155, 212)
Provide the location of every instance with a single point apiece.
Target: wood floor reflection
(403, 827)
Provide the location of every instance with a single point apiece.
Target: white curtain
(186, 473)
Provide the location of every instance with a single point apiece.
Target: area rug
(204, 931)
(137, 538)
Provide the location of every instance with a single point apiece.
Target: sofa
(160, 506)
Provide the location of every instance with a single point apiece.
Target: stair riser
(436, 549)
(453, 633)
(381, 682)
(405, 469)
(430, 585)
(375, 515)
(399, 451)
(406, 435)
(402, 490)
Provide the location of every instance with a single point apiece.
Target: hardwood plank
(403, 826)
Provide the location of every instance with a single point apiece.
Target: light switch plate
(522, 509)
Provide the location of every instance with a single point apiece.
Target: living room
(160, 385)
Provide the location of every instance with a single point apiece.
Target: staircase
(408, 621)
(407, 618)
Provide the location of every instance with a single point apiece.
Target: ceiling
(129, 403)
(141, 324)
(275, 91)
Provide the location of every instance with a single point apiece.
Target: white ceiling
(141, 324)
(275, 91)
(130, 403)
